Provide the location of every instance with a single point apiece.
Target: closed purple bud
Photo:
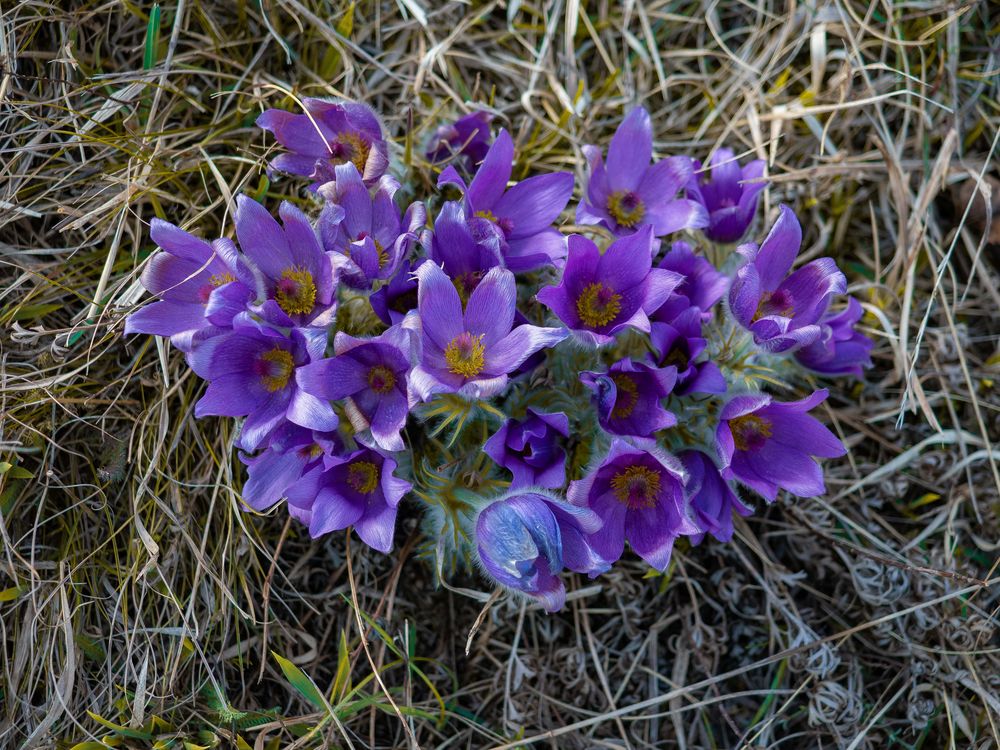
(530, 448)
(841, 349)
(729, 194)
(468, 136)
(712, 500)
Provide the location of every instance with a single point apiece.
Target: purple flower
(530, 449)
(292, 452)
(730, 194)
(519, 219)
(200, 286)
(394, 300)
(471, 352)
(678, 345)
(364, 233)
(468, 136)
(600, 295)
(464, 258)
(783, 313)
(295, 275)
(525, 539)
(639, 495)
(627, 193)
(628, 397)
(712, 500)
(372, 374)
(330, 134)
(360, 490)
(251, 373)
(701, 286)
(767, 445)
(841, 349)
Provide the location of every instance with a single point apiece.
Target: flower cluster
(547, 398)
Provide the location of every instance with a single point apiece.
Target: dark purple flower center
(636, 486)
(725, 203)
(214, 282)
(274, 368)
(626, 208)
(381, 379)
(679, 356)
(779, 302)
(295, 291)
(598, 305)
(403, 303)
(465, 355)
(362, 476)
(627, 395)
(465, 284)
(750, 432)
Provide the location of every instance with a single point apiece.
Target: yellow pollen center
(221, 279)
(628, 395)
(363, 477)
(626, 208)
(381, 379)
(636, 486)
(750, 431)
(598, 305)
(296, 291)
(486, 214)
(275, 368)
(350, 147)
(465, 355)
(383, 256)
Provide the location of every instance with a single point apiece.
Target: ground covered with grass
(140, 606)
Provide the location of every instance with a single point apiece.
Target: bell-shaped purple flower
(841, 349)
(392, 301)
(469, 136)
(525, 539)
(200, 286)
(452, 245)
(520, 218)
(600, 295)
(329, 134)
(712, 500)
(251, 373)
(360, 491)
(372, 374)
(628, 397)
(769, 445)
(363, 232)
(530, 448)
(291, 453)
(626, 193)
(729, 193)
(295, 279)
(680, 345)
(783, 311)
(701, 285)
(639, 495)
(471, 352)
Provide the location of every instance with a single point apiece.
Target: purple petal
(332, 512)
(490, 310)
(533, 204)
(777, 253)
(439, 305)
(493, 174)
(676, 215)
(308, 411)
(166, 318)
(508, 353)
(627, 260)
(663, 180)
(261, 237)
(377, 527)
(333, 379)
(630, 151)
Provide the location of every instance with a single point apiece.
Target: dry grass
(138, 601)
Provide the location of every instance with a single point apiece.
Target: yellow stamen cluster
(355, 149)
(381, 379)
(636, 486)
(465, 355)
(220, 279)
(363, 477)
(276, 367)
(626, 208)
(750, 431)
(486, 214)
(628, 395)
(296, 291)
(598, 305)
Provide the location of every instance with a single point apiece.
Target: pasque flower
(464, 258)
(639, 495)
(520, 218)
(295, 279)
(840, 349)
(291, 453)
(372, 374)
(530, 449)
(469, 136)
(769, 445)
(329, 134)
(471, 352)
(360, 490)
(712, 500)
(729, 193)
(392, 301)
(679, 345)
(701, 284)
(363, 231)
(525, 539)
(251, 373)
(600, 295)
(783, 313)
(626, 193)
(200, 285)
(628, 397)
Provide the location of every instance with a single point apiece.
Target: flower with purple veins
(530, 449)
(200, 286)
(291, 453)
(471, 352)
(679, 345)
(519, 218)
(465, 258)
(769, 445)
(600, 295)
(712, 500)
(251, 373)
(296, 279)
(364, 233)
(625, 193)
(841, 349)
(701, 286)
(729, 193)
(359, 490)
(329, 134)
(639, 495)
(628, 397)
(783, 311)
(525, 539)
(372, 373)
(394, 300)
(468, 136)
